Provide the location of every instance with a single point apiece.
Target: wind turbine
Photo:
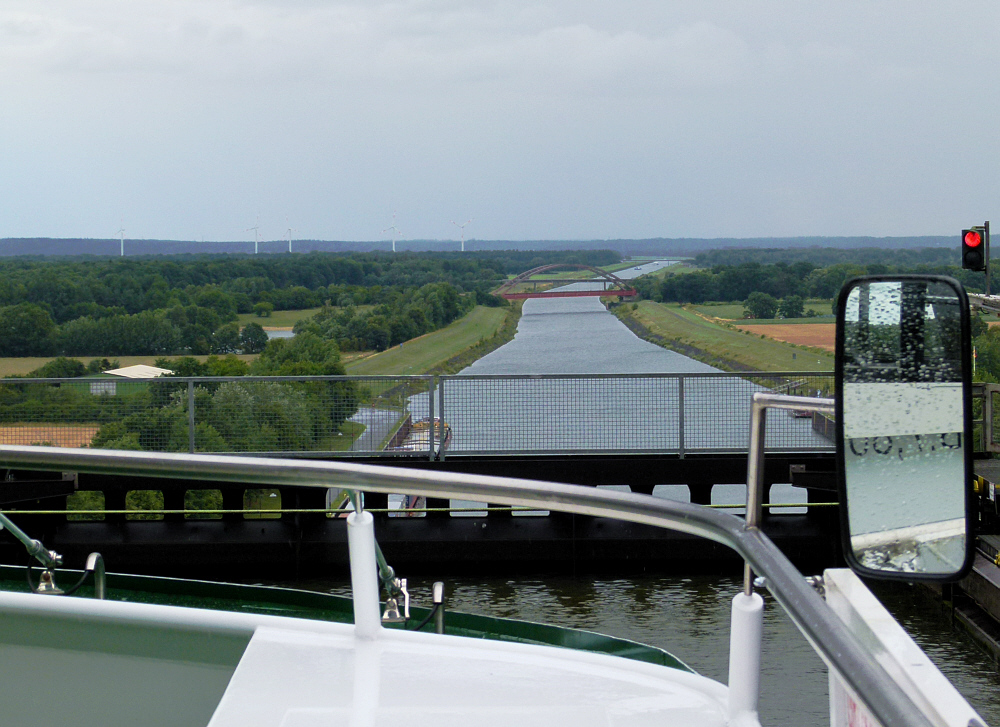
(121, 231)
(256, 235)
(290, 231)
(395, 231)
(462, 228)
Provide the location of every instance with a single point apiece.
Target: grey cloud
(576, 118)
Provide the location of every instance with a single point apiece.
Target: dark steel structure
(301, 538)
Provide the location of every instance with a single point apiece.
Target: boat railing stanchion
(395, 587)
(747, 625)
(364, 571)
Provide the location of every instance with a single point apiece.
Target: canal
(687, 616)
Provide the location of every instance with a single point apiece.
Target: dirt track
(50, 434)
(818, 335)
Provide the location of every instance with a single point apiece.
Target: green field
(677, 269)
(734, 312)
(287, 318)
(278, 318)
(424, 353)
(680, 269)
(674, 323)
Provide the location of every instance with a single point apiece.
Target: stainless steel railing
(824, 630)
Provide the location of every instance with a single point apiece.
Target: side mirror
(904, 420)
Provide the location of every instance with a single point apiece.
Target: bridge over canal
(599, 284)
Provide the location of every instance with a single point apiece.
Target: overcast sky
(569, 119)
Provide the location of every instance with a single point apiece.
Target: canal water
(687, 616)
(488, 412)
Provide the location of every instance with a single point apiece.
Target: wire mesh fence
(409, 415)
(337, 415)
(661, 413)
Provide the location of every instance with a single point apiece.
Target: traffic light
(975, 249)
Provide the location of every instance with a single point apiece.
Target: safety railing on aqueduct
(425, 416)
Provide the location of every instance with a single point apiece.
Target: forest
(188, 304)
(780, 280)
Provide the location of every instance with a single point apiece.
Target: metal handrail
(828, 635)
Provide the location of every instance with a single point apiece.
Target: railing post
(430, 417)
(441, 447)
(755, 475)
(680, 416)
(191, 416)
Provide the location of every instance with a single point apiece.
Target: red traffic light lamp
(975, 248)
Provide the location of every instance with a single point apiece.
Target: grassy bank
(681, 330)
(470, 337)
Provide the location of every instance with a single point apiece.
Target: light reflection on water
(689, 617)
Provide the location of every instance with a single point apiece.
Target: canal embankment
(446, 350)
(679, 329)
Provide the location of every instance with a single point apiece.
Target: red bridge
(611, 284)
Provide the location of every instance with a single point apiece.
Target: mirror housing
(904, 425)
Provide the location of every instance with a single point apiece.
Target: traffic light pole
(987, 236)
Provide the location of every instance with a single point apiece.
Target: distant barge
(415, 436)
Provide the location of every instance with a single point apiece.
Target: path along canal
(687, 616)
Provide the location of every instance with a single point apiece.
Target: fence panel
(103, 412)
(622, 413)
(321, 415)
(346, 416)
(717, 412)
(553, 413)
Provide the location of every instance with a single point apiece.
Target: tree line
(189, 304)
(76, 287)
(780, 281)
(827, 256)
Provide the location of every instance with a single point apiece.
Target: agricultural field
(674, 323)
(25, 365)
(817, 335)
(48, 434)
(421, 354)
(734, 312)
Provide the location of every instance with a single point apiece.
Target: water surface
(687, 616)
